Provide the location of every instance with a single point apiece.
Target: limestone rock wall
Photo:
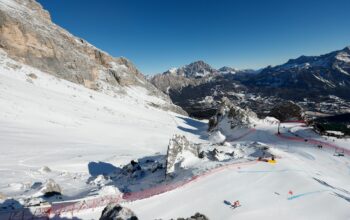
(28, 35)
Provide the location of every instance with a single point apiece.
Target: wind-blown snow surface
(51, 122)
(54, 123)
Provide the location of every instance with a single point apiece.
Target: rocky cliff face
(175, 79)
(28, 35)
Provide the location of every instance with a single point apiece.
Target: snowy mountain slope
(305, 182)
(77, 132)
(87, 125)
(46, 121)
(319, 182)
(28, 36)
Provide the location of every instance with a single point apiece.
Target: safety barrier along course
(73, 207)
(314, 142)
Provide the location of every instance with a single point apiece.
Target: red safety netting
(71, 207)
(314, 142)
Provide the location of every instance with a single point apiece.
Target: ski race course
(45, 134)
(295, 161)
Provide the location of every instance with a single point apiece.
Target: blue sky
(159, 34)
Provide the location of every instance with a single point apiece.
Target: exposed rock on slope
(117, 212)
(230, 116)
(190, 75)
(51, 188)
(179, 150)
(197, 216)
(28, 36)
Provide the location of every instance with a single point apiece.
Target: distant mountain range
(328, 74)
(314, 81)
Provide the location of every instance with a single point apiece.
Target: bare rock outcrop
(197, 216)
(179, 150)
(192, 74)
(117, 212)
(28, 36)
(229, 116)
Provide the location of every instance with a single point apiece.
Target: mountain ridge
(315, 78)
(28, 36)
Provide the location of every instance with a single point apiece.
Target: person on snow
(236, 204)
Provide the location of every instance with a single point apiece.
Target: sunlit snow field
(47, 122)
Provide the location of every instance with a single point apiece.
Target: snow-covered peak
(173, 70)
(193, 70)
(228, 70)
(343, 56)
(347, 49)
(328, 60)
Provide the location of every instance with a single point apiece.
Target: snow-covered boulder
(109, 190)
(100, 180)
(117, 212)
(181, 153)
(51, 188)
(217, 137)
(230, 116)
(271, 120)
(44, 169)
(217, 152)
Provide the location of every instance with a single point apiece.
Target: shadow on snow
(11, 209)
(199, 128)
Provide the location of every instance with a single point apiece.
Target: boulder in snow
(197, 216)
(180, 152)
(44, 169)
(51, 188)
(230, 116)
(217, 137)
(32, 75)
(117, 212)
